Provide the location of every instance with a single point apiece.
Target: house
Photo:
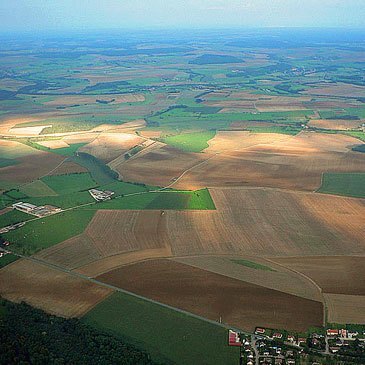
(233, 338)
(277, 335)
(291, 338)
(332, 332)
(352, 334)
(343, 333)
(260, 331)
(302, 340)
(334, 349)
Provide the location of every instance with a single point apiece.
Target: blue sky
(38, 15)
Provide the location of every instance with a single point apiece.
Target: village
(272, 347)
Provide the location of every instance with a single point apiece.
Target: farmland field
(236, 171)
(240, 304)
(42, 233)
(48, 289)
(136, 319)
(335, 275)
(344, 184)
(191, 142)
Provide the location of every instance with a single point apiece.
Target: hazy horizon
(93, 15)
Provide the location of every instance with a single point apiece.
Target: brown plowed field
(345, 308)
(160, 166)
(113, 238)
(278, 278)
(108, 146)
(336, 274)
(112, 262)
(48, 289)
(75, 252)
(337, 124)
(31, 163)
(256, 222)
(337, 89)
(54, 144)
(213, 296)
(115, 232)
(248, 159)
(68, 168)
(262, 103)
(264, 222)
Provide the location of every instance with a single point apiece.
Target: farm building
(100, 195)
(24, 207)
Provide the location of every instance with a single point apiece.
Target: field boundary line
(325, 308)
(116, 289)
(188, 170)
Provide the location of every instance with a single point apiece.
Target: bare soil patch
(211, 295)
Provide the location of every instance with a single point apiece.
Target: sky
(44, 15)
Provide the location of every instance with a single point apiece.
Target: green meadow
(182, 339)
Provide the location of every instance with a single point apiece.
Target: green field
(68, 151)
(62, 201)
(7, 259)
(37, 188)
(351, 184)
(164, 333)
(66, 184)
(169, 199)
(13, 216)
(190, 142)
(42, 233)
(100, 172)
(252, 265)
